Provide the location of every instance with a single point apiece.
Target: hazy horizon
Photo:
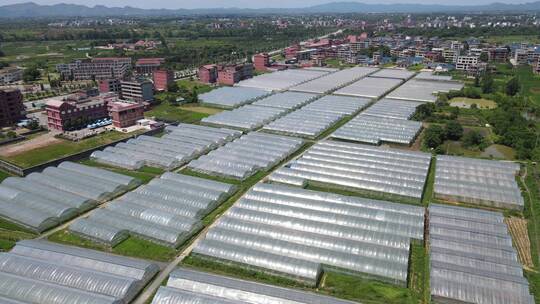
(191, 4)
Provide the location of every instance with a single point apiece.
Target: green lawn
(4, 175)
(167, 112)
(64, 148)
(10, 233)
(193, 84)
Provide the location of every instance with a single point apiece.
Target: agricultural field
(466, 103)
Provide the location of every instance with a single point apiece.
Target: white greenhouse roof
(432, 76)
(362, 167)
(167, 211)
(479, 182)
(281, 80)
(345, 105)
(423, 90)
(187, 286)
(248, 117)
(472, 258)
(393, 108)
(41, 272)
(334, 81)
(232, 97)
(287, 100)
(298, 233)
(370, 87)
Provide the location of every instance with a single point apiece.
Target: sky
(174, 4)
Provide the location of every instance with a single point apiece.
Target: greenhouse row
(334, 81)
(282, 80)
(44, 200)
(479, 182)
(472, 258)
(376, 130)
(248, 117)
(387, 172)
(179, 146)
(167, 211)
(338, 104)
(186, 286)
(232, 97)
(423, 90)
(402, 74)
(247, 155)
(370, 87)
(393, 108)
(300, 233)
(287, 100)
(41, 272)
(432, 76)
(304, 123)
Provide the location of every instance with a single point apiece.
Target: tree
(2, 54)
(31, 74)
(33, 125)
(477, 81)
(11, 134)
(473, 139)
(171, 99)
(434, 136)
(487, 84)
(512, 86)
(173, 87)
(484, 57)
(192, 97)
(453, 130)
(424, 111)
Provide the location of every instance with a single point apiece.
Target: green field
(64, 148)
(170, 113)
(530, 84)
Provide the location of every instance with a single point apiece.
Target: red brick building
(11, 107)
(208, 73)
(261, 61)
(229, 75)
(125, 114)
(75, 111)
(162, 79)
(96, 68)
(109, 85)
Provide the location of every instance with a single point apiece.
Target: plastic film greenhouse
(232, 97)
(338, 104)
(287, 100)
(180, 145)
(376, 130)
(370, 87)
(391, 173)
(245, 157)
(304, 123)
(334, 81)
(480, 182)
(432, 76)
(44, 200)
(281, 80)
(393, 108)
(424, 90)
(300, 233)
(186, 286)
(42, 273)
(248, 117)
(402, 74)
(472, 260)
(167, 211)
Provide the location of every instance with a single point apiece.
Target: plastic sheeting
(281, 80)
(393, 74)
(393, 108)
(189, 287)
(43, 272)
(304, 123)
(44, 200)
(168, 211)
(244, 157)
(248, 117)
(180, 145)
(369, 87)
(333, 81)
(361, 167)
(338, 104)
(376, 130)
(482, 182)
(424, 90)
(298, 233)
(474, 265)
(287, 100)
(232, 97)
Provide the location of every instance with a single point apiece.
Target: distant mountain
(31, 9)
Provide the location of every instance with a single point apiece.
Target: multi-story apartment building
(208, 73)
(536, 66)
(75, 111)
(96, 68)
(109, 85)
(162, 79)
(229, 75)
(467, 63)
(498, 54)
(146, 66)
(137, 90)
(261, 61)
(125, 114)
(450, 55)
(11, 107)
(10, 75)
